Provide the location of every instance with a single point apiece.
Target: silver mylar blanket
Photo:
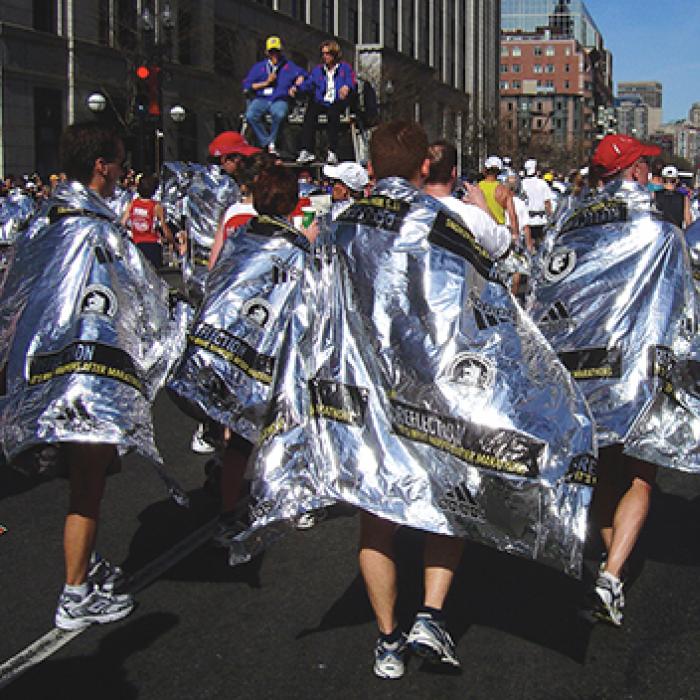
(15, 212)
(614, 296)
(210, 192)
(231, 352)
(415, 388)
(692, 239)
(120, 201)
(86, 333)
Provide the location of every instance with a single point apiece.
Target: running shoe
(199, 444)
(305, 157)
(96, 607)
(389, 658)
(430, 640)
(609, 599)
(103, 574)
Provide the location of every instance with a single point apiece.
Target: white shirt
(329, 96)
(537, 192)
(489, 234)
(521, 211)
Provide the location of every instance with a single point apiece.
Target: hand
(271, 78)
(311, 231)
(343, 92)
(475, 195)
(299, 80)
(292, 91)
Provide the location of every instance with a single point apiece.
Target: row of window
(536, 68)
(536, 51)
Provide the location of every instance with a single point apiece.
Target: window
(537, 51)
(549, 68)
(504, 84)
(515, 68)
(327, 16)
(510, 106)
(516, 51)
(557, 123)
(538, 123)
(44, 16)
(126, 24)
(567, 68)
(549, 83)
(504, 67)
(567, 51)
(539, 106)
(537, 68)
(549, 51)
(516, 85)
(510, 123)
(504, 50)
(567, 84)
(225, 50)
(299, 9)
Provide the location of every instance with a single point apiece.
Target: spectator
(330, 85)
(270, 81)
(673, 205)
(144, 216)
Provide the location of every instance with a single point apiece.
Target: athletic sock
(393, 637)
(436, 613)
(81, 590)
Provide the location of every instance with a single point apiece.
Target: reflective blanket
(229, 362)
(15, 212)
(614, 295)
(87, 336)
(412, 386)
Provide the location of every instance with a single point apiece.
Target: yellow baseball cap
(273, 43)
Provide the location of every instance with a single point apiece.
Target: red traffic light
(143, 72)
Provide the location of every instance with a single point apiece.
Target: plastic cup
(307, 216)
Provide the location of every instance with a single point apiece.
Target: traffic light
(148, 96)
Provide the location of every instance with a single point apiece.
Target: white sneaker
(199, 445)
(610, 599)
(97, 606)
(305, 157)
(332, 158)
(389, 659)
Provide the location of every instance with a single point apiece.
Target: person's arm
(125, 216)
(474, 195)
(219, 239)
(687, 214)
(160, 215)
(505, 199)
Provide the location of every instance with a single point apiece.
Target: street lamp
(96, 102)
(178, 113)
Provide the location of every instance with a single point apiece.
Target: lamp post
(96, 102)
(178, 114)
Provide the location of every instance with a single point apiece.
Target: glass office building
(565, 19)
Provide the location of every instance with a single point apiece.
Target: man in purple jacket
(270, 81)
(330, 85)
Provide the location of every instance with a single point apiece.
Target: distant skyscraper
(566, 19)
(651, 94)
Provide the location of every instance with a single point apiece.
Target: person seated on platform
(269, 82)
(330, 85)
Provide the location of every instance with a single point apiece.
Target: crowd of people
(239, 361)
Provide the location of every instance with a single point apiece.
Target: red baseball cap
(228, 142)
(618, 151)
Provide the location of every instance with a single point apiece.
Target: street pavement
(295, 622)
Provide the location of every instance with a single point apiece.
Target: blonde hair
(333, 46)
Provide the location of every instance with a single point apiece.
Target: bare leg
(441, 555)
(88, 468)
(379, 568)
(630, 515)
(233, 466)
(607, 492)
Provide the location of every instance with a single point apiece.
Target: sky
(654, 40)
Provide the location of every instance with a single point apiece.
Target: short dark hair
(275, 191)
(148, 184)
(398, 148)
(82, 144)
(443, 160)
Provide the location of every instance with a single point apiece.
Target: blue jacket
(287, 73)
(316, 82)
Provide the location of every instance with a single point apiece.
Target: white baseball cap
(493, 162)
(670, 171)
(530, 166)
(348, 172)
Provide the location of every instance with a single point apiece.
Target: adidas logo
(460, 501)
(487, 316)
(556, 318)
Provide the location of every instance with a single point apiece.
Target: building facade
(632, 115)
(432, 60)
(651, 93)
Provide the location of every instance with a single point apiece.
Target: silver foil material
(87, 336)
(614, 295)
(210, 192)
(16, 210)
(692, 239)
(120, 200)
(411, 385)
(230, 359)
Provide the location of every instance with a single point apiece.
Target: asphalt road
(296, 623)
